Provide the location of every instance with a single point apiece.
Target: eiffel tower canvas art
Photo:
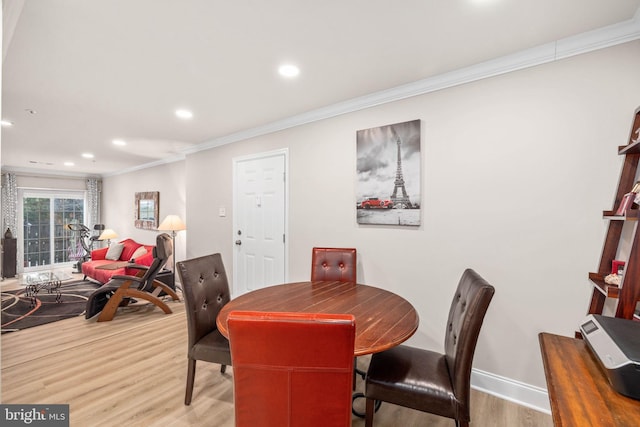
(389, 175)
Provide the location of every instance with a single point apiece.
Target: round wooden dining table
(383, 319)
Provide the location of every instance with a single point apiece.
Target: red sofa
(89, 268)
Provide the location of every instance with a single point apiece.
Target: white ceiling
(97, 70)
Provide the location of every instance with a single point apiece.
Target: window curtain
(10, 204)
(93, 202)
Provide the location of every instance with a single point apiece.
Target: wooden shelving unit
(609, 291)
(628, 293)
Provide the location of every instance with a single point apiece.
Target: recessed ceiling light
(88, 155)
(69, 164)
(6, 123)
(120, 142)
(184, 114)
(288, 70)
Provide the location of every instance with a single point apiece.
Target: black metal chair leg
(355, 412)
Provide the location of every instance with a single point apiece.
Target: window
(47, 240)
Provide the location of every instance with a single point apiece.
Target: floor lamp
(172, 223)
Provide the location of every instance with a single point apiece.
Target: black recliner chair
(118, 291)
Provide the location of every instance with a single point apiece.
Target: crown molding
(160, 162)
(601, 38)
(47, 173)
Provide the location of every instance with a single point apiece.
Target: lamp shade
(172, 223)
(108, 234)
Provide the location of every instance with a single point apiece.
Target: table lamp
(107, 235)
(172, 223)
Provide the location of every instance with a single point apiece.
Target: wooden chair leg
(191, 374)
(355, 364)
(134, 293)
(161, 287)
(109, 310)
(369, 411)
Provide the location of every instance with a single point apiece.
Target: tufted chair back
(333, 264)
(468, 308)
(206, 291)
(292, 369)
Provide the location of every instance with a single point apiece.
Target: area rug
(21, 312)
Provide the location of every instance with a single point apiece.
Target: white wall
(118, 202)
(517, 170)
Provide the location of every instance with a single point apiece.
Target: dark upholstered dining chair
(438, 383)
(120, 289)
(292, 369)
(337, 264)
(340, 265)
(205, 291)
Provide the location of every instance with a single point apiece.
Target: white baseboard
(514, 391)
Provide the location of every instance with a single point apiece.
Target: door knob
(238, 242)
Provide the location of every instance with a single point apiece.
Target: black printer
(616, 344)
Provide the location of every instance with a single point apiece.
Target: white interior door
(259, 217)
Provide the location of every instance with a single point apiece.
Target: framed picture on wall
(388, 187)
(147, 208)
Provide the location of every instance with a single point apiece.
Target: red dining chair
(291, 369)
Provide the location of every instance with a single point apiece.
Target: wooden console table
(579, 392)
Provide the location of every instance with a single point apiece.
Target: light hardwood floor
(132, 371)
